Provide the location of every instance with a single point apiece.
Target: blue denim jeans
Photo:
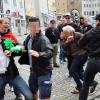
(42, 83)
(76, 69)
(17, 83)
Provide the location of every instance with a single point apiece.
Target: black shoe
(56, 65)
(19, 98)
(92, 88)
(64, 60)
(1, 98)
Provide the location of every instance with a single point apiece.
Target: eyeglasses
(68, 18)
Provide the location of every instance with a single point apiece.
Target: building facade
(74, 6)
(61, 7)
(30, 8)
(15, 11)
(90, 7)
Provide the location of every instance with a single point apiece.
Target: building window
(90, 13)
(22, 23)
(87, 5)
(84, 5)
(84, 12)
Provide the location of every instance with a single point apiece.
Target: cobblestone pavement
(62, 85)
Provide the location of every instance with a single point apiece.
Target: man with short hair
(86, 26)
(38, 56)
(52, 34)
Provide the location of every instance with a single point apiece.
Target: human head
(4, 24)
(97, 18)
(34, 25)
(63, 20)
(52, 23)
(67, 31)
(82, 20)
(86, 21)
(68, 18)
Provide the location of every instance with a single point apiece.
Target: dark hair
(52, 21)
(81, 17)
(97, 17)
(34, 19)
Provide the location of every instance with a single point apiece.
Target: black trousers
(93, 67)
(69, 59)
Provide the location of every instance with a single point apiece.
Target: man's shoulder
(43, 38)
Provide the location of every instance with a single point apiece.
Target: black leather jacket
(41, 44)
(91, 42)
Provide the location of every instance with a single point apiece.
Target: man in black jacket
(38, 56)
(52, 34)
(86, 26)
(91, 42)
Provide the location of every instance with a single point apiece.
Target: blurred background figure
(52, 34)
(62, 54)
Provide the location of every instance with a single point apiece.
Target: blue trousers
(76, 69)
(17, 83)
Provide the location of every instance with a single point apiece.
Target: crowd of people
(79, 43)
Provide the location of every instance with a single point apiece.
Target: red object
(14, 14)
(10, 35)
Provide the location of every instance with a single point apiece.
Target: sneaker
(93, 87)
(56, 65)
(76, 91)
